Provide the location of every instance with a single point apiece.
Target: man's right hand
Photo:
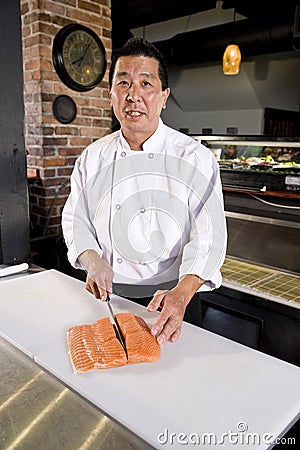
(99, 274)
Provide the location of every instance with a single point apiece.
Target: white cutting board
(202, 384)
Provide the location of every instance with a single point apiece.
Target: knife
(116, 326)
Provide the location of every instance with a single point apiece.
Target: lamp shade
(232, 60)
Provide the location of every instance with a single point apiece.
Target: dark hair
(140, 47)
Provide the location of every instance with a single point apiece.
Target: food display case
(257, 163)
(261, 188)
(258, 303)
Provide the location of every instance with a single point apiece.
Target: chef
(145, 212)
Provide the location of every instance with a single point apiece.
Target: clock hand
(77, 60)
(85, 51)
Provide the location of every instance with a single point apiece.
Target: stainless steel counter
(38, 412)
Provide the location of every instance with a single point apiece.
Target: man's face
(136, 96)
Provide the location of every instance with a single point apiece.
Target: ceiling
(137, 13)
(267, 26)
(192, 35)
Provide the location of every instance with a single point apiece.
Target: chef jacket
(154, 215)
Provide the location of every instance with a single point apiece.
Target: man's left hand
(168, 324)
(173, 304)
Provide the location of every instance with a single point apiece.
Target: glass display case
(256, 162)
(261, 188)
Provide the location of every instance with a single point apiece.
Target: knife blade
(116, 326)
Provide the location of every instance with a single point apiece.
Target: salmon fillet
(96, 346)
(141, 345)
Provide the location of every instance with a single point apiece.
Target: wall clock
(79, 57)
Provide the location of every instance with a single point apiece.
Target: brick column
(52, 147)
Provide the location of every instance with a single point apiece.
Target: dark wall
(14, 217)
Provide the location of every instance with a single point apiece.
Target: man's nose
(133, 94)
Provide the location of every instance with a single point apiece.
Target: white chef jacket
(154, 215)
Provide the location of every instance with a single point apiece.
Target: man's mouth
(134, 114)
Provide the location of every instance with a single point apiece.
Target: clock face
(79, 57)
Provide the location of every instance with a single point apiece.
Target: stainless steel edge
(260, 219)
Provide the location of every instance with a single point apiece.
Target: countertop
(38, 412)
(202, 384)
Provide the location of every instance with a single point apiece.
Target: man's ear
(166, 94)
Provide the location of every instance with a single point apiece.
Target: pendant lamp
(232, 56)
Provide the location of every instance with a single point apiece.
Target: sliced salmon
(141, 345)
(96, 346)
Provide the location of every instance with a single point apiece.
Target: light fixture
(232, 56)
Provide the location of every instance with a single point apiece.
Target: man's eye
(146, 83)
(122, 82)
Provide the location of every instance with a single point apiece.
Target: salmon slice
(141, 345)
(95, 346)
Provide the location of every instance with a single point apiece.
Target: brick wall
(52, 147)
